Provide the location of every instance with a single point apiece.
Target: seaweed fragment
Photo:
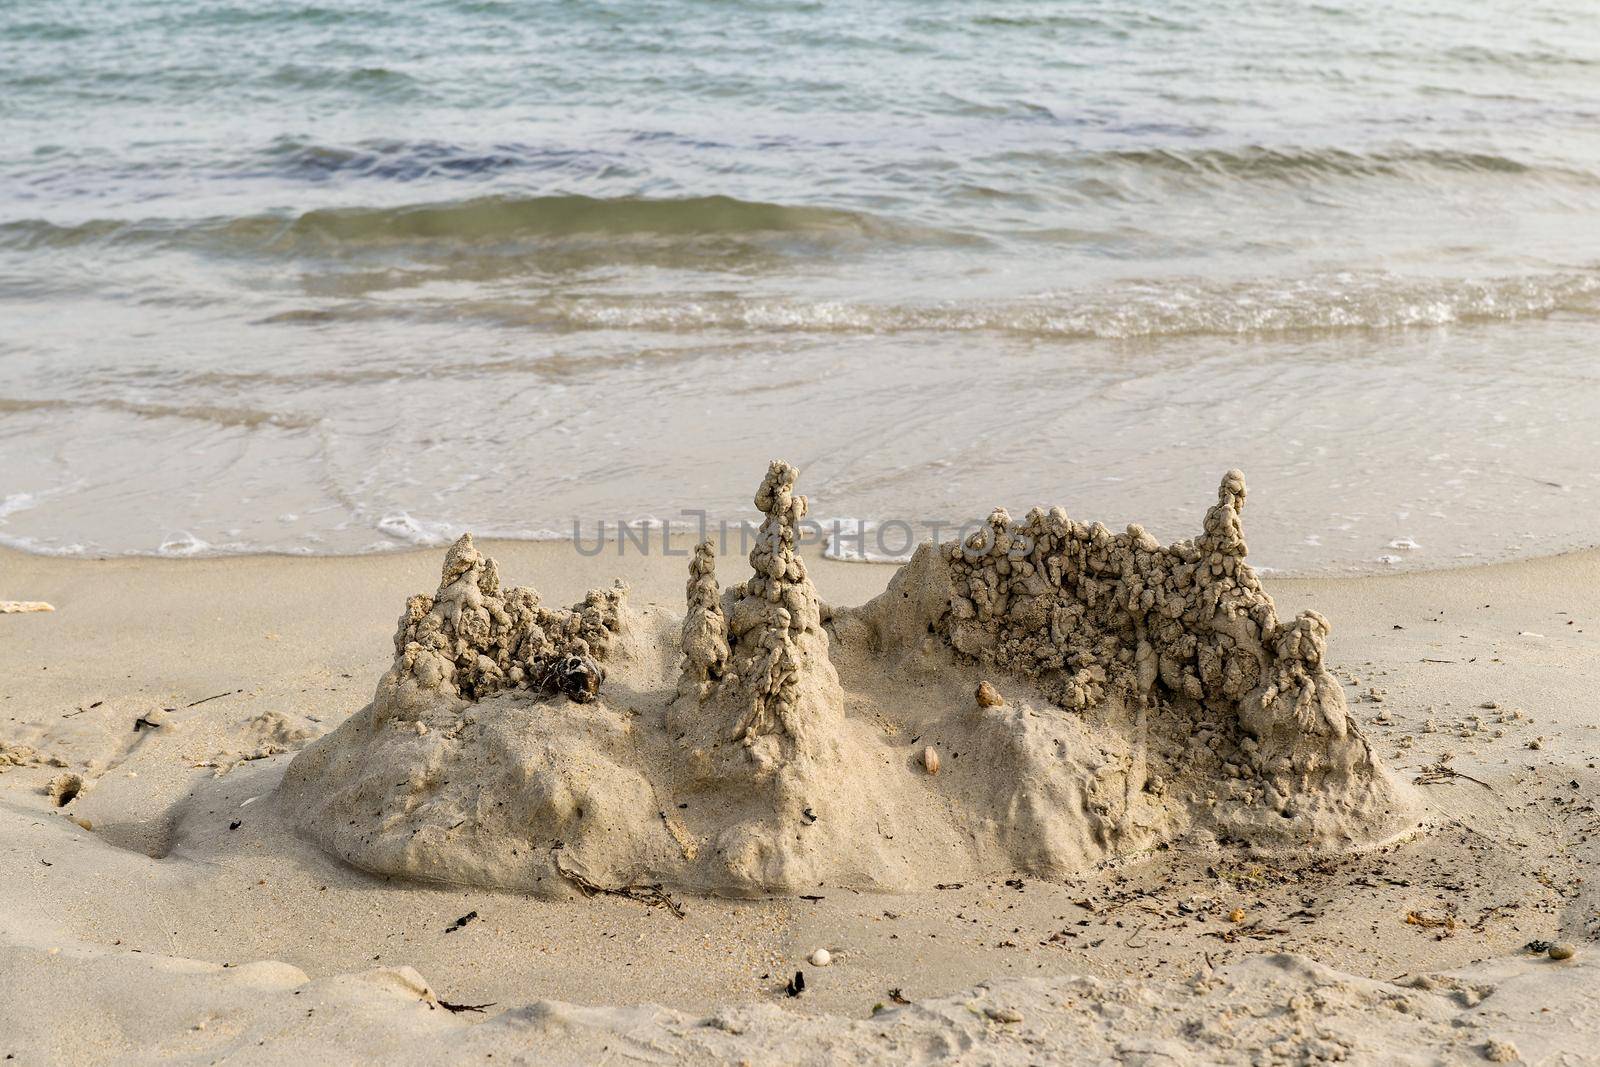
(652, 894)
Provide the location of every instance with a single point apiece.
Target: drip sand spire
(705, 629)
(776, 615)
(779, 683)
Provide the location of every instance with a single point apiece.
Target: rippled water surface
(336, 277)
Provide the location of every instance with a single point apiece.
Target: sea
(355, 276)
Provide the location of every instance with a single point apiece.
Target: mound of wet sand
(1134, 696)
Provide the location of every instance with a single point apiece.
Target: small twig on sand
(1443, 772)
(653, 895)
(459, 1008)
(214, 696)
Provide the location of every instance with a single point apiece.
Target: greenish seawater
(335, 277)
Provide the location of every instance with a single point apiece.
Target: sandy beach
(660, 533)
(170, 911)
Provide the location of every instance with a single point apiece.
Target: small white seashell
(930, 760)
(821, 958)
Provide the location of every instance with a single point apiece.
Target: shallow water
(345, 277)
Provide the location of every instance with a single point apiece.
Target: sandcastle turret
(705, 629)
(778, 686)
(471, 638)
(1120, 626)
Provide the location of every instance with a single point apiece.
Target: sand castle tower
(705, 629)
(472, 639)
(1175, 649)
(778, 692)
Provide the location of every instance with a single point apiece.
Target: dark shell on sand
(578, 677)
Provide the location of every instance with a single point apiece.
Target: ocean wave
(853, 540)
(370, 81)
(288, 16)
(1171, 307)
(405, 529)
(248, 418)
(1210, 167)
(182, 544)
(12, 503)
(397, 160)
(481, 220)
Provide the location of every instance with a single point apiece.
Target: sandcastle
(1136, 695)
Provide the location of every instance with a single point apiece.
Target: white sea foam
(402, 526)
(182, 544)
(15, 502)
(41, 548)
(855, 540)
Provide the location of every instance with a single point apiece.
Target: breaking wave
(1118, 312)
(481, 220)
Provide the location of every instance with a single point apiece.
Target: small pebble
(1563, 950)
(821, 958)
(1003, 1015)
(988, 696)
(930, 760)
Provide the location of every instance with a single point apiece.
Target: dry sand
(170, 910)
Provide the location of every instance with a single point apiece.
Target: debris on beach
(459, 923)
(18, 607)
